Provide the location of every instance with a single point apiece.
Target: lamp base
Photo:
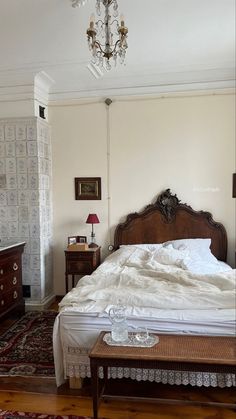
(93, 245)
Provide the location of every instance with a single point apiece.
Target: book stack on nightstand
(78, 247)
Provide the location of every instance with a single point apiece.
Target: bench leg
(95, 390)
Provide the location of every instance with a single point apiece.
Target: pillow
(119, 256)
(148, 247)
(199, 249)
(205, 268)
(170, 256)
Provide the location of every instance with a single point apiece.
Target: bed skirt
(76, 364)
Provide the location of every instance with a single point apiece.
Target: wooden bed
(169, 219)
(164, 220)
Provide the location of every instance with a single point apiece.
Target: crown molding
(24, 86)
(27, 84)
(141, 96)
(120, 83)
(155, 90)
(42, 85)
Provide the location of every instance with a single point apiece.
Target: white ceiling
(173, 45)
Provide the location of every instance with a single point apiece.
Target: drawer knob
(14, 281)
(15, 295)
(15, 267)
(1, 287)
(1, 271)
(2, 302)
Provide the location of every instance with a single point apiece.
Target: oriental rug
(26, 347)
(6, 414)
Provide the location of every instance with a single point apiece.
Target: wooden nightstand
(82, 262)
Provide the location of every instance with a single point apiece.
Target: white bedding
(137, 278)
(166, 297)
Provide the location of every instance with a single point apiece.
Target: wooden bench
(173, 352)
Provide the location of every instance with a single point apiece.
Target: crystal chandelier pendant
(108, 65)
(78, 3)
(98, 7)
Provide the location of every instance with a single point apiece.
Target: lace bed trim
(76, 364)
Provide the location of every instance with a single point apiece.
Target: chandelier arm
(98, 45)
(115, 20)
(117, 42)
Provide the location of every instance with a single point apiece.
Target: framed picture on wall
(88, 188)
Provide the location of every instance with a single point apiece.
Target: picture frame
(87, 188)
(76, 239)
(72, 240)
(81, 239)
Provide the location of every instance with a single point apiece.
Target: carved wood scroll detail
(167, 204)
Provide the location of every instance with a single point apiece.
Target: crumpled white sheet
(137, 278)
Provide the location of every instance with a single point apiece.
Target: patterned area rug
(26, 348)
(5, 414)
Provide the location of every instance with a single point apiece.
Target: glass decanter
(119, 328)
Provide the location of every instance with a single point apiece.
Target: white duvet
(140, 278)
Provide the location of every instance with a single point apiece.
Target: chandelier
(79, 3)
(113, 36)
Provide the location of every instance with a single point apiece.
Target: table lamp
(92, 219)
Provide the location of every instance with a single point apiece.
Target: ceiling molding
(154, 96)
(170, 89)
(31, 85)
(23, 88)
(42, 85)
(120, 84)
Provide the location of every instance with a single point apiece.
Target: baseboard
(39, 305)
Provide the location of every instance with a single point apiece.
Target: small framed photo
(88, 188)
(81, 239)
(72, 240)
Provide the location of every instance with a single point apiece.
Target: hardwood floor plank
(111, 409)
(45, 403)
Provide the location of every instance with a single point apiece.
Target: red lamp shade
(92, 219)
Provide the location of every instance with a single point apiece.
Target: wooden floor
(42, 395)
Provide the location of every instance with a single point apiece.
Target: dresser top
(5, 245)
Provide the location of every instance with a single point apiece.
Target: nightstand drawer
(79, 267)
(79, 255)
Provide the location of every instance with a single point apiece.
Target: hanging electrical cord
(108, 102)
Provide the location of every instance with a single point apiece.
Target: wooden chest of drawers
(11, 294)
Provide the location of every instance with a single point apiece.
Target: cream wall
(185, 143)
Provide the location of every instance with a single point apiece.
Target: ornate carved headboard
(168, 219)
